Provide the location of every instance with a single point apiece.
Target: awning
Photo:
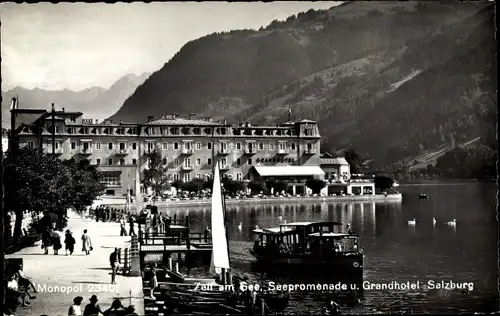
(287, 171)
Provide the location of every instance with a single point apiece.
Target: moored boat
(322, 246)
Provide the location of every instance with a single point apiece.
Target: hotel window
(73, 118)
(198, 146)
(98, 161)
(187, 145)
(223, 162)
(309, 146)
(238, 146)
(164, 161)
(187, 162)
(198, 161)
(187, 177)
(176, 161)
(31, 144)
(223, 147)
(151, 146)
(97, 146)
(271, 146)
(293, 146)
(110, 178)
(122, 161)
(123, 146)
(239, 176)
(282, 146)
(110, 161)
(176, 177)
(134, 146)
(110, 146)
(249, 161)
(151, 131)
(209, 145)
(73, 145)
(57, 145)
(165, 146)
(134, 161)
(209, 161)
(198, 175)
(176, 146)
(261, 146)
(238, 161)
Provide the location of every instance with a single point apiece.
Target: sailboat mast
(214, 161)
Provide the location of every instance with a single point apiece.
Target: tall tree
(155, 174)
(354, 160)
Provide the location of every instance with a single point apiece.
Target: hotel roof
(289, 170)
(183, 122)
(334, 161)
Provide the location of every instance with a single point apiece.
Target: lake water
(393, 250)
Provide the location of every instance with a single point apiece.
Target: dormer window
(186, 131)
(72, 118)
(174, 131)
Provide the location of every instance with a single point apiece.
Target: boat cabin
(322, 239)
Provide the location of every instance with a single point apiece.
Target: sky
(79, 45)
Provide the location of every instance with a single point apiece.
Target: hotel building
(289, 151)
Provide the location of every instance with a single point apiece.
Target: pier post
(126, 261)
(175, 220)
(170, 263)
(187, 223)
(229, 278)
(223, 276)
(135, 262)
(176, 266)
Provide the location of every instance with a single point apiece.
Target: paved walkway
(83, 275)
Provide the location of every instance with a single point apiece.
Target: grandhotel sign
(274, 160)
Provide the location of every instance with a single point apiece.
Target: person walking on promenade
(131, 228)
(92, 309)
(76, 309)
(56, 242)
(153, 281)
(86, 243)
(25, 281)
(123, 230)
(46, 240)
(113, 261)
(70, 242)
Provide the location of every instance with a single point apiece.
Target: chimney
(247, 124)
(192, 116)
(63, 109)
(150, 118)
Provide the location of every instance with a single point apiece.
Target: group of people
(51, 238)
(94, 309)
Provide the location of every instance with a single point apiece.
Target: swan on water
(452, 223)
(412, 222)
(434, 221)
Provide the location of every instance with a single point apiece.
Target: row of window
(176, 146)
(186, 162)
(114, 179)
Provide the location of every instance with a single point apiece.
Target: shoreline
(282, 200)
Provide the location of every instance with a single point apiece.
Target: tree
(39, 182)
(257, 186)
(194, 185)
(354, 160)
(155, 176)
(232, 187)
(315, 185)
(383, 182)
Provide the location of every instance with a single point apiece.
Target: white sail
(138, 197)
(220, 255)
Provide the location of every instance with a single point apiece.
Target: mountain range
(95, 102)
(391, 80)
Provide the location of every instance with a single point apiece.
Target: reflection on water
(393, 250)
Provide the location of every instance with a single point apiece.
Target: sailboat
(219, 295)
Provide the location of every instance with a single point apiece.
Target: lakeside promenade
(119, 203)
(84, 275)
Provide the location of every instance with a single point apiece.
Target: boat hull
(341, 264)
